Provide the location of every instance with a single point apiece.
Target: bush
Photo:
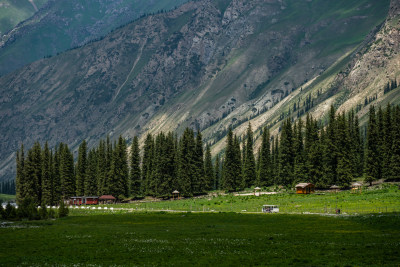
(1, 211)
(9, 212)
(43, 213)
(62, 210)
(28, 210)
(51, 214)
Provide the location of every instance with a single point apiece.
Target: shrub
(28, 210)
(51, 214)
(1, 211)
(9, 212)
(43, 213)
(62, 210)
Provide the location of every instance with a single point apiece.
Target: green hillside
(63, 25)
(13, 12)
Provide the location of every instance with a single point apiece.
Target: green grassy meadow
(219, 239)
(384, 199)
(139, 234)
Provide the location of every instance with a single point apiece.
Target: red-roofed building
(107, 199)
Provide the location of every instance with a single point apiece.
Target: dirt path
(34, 5)
(133, 67)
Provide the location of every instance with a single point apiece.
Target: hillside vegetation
(13, 12)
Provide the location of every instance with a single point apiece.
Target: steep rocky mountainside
(208, 64)
(63, 24)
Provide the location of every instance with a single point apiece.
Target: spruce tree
(345, 162)
(232, 167)
(55, 170)
(46, 177)
(147, 165)
(299, 172)
(67, 174)
(187, 164)
(20, 178)
(118, 174)
(371, 168)
(395, 158)
(208, 170)
(217, 177)
(81, 168)
(199, 182)
(91, 179)
(101, 168)
(286, 154)
(249, 166)
(265, 171)
(135, 168)
(275, 157)
(330, 149)
(387, 142)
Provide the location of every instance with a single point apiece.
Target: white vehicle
(270, 209)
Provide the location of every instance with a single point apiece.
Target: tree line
(306, 151)
(167, 163)
(7, 187)
(324, 155)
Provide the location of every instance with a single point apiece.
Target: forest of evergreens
(306, 151)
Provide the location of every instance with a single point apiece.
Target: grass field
(6, 198)
(386, 199)
(219, 239)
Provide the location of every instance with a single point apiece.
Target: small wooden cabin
(90, 200)
(305, 188)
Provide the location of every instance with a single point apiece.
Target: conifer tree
(135, 168)
(275, 160)
(330, 149)
(47, 184)
(199, 182)
(208, 170)
(187, 165)
(20, 177)
(55, 170)
(265, 171)
(217, 177)
(344, 167)
(286, 154)
(33, 173)
(249, 166)
(232, 167)
(371, 168)
(299, 172)
(387, 142)
(147, 165)
(101, 168)
(91, 179)
(81, 168)
(395, 158)
(67, 175)
(121, 172)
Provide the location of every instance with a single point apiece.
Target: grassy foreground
(185, 239)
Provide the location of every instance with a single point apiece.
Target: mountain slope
(207, 64)
(62, 25)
